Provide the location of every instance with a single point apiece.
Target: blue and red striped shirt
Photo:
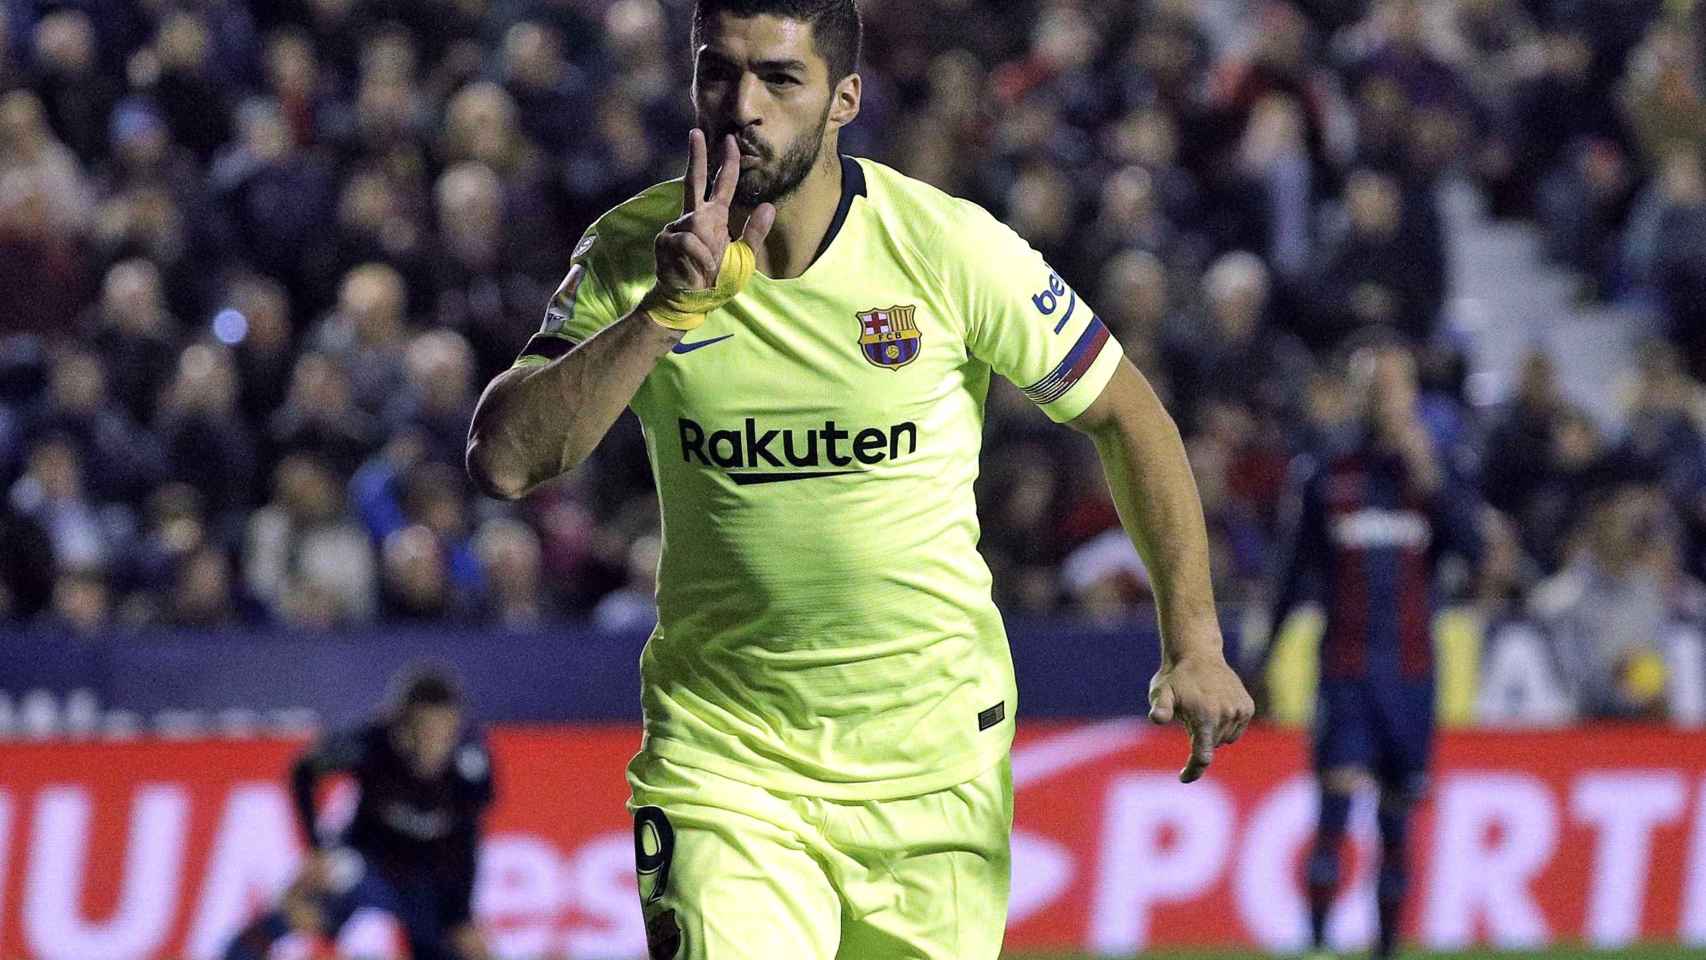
(1366, 542)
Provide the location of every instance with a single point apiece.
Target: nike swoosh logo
(690, 347)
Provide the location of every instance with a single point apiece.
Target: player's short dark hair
(836, 28)
(425, 685)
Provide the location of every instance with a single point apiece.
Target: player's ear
(844, 101)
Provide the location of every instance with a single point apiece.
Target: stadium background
(258, 258)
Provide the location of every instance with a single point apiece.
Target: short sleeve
(1024, 320)
(581, 307)
(338, 751)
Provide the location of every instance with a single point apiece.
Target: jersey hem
(783, 780)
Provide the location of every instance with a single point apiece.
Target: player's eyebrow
(768, 66)
(757, 66)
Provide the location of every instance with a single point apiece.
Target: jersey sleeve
(1022, 319)
(1303, 540)
(582, 306)
(337, 752)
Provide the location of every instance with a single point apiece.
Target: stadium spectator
(1284, 101)
(317, 184)
(481, 124)
(180, 68)
(174, 524)
(77, 95)
(1662, 440)
(136, 336)
(82, 604)
(294, 79)
(43, 217)
(209, 445)
(52, 493)
(40, 165)
(1497, 47)
(509, 556)
(1679, 245)
(123, 461)
(1373, 275)
(204, 594)
(303, 559)
(367, 334)
(1520, 435)
(483, 271)
(1137, 292)
(550, 93)
(1606, 610)
(319, 416)
(1024, 502)
(416, 584)
(633, 606)
(252, 179)
(1233, 353)
(256, 324)
(27, 567)
(438, 389)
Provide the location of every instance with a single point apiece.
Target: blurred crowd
(259, 258)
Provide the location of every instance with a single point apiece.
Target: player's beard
(773, 182)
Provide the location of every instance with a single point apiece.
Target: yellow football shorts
(731, 871)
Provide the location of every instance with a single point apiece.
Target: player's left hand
(1204, 693)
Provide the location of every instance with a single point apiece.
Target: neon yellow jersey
(825, 624)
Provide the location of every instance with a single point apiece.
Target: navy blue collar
(852, 185)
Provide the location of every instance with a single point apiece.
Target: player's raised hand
(698, 268)
(690, 249)
(1205, 694)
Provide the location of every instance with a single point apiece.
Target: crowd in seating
(259, 259)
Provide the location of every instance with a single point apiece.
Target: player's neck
(802, 219)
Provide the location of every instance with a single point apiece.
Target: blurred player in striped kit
(1373, 512)
(410, 848)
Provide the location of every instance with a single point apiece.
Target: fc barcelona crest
(889, 337)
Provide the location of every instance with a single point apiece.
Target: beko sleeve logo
(1048, 302)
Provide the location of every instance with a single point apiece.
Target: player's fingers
(1161, 703)
(1240, 723)
(758, 225)
(1232, 727)
(693, 185)
(1202, 751)
(1246, 713)
(699, 254)
(728, 172)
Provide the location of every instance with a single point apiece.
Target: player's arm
(1302, 549)
(1028, 324)
(537, 421)
(1153, 490)
(335, 753)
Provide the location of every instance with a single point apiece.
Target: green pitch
(1557, 953)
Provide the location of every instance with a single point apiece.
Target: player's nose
(747, 101)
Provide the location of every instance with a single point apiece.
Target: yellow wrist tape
(686, 309)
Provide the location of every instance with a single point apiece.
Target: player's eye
(714, 72)
(781, 80)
